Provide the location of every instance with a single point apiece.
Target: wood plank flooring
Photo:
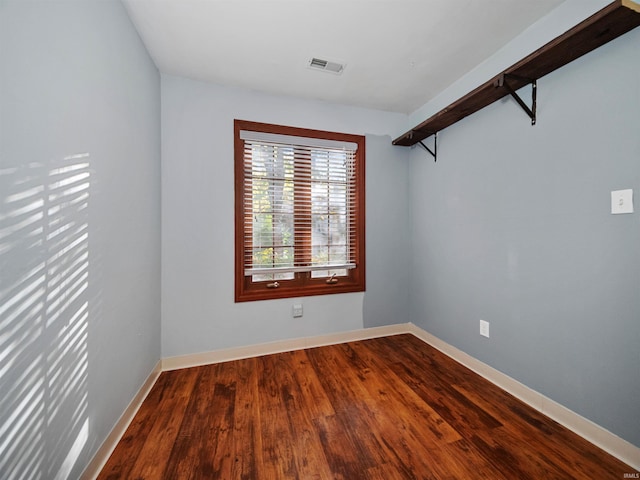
(382, 409)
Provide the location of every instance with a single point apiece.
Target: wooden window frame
(303, 284)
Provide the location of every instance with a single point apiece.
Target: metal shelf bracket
(502, 81)
(434, 152)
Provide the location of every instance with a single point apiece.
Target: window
(299, 197)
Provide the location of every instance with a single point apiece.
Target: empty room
(273, 239)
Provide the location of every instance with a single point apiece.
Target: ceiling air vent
(326, 65)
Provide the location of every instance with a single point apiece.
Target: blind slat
(272, 270)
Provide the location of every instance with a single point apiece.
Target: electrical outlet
(622, 201)
(484, 328)
(297, 310)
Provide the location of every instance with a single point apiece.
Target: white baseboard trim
(108, 446)
(238, 353)
(602, 438)
(616, 446)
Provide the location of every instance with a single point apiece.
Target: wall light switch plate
(622, 201)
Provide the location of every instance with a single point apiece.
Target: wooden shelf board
(609, 23)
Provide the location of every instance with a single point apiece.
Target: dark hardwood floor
(384, 409)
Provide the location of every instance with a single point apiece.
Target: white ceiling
(398, 53)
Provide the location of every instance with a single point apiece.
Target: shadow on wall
(44, 312)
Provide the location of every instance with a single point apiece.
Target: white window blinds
(299, 205)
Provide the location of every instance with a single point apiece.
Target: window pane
(272, 277)
(272, 204)
(329, 229)
(273, 257)
(329, 208)
(328, 273)
(328, 255)
(338, 254)
(329, 165)
(319, 254)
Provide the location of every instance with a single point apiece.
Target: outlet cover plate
(622, 201)
(484, 328)
(297, 310)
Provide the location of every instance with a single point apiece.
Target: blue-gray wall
(198, 309)
(79, 230)
(386, 301)
(512, 225)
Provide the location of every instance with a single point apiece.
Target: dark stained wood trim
(301, 285)
(609, 23)
(386, 408)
